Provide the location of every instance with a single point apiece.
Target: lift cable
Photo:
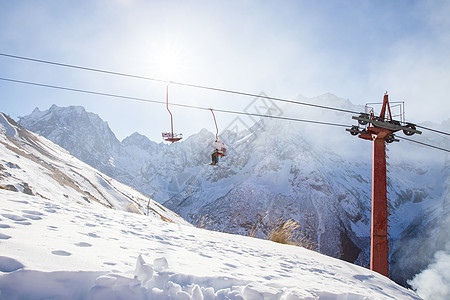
(172, 104)
(179, 83)
(194, 107)
(434, 130)
(194, 86)
(423, 144)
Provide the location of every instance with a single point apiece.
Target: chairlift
(170, 136)
(220, 146)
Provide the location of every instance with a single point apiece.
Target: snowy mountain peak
(72, 108)
(71, 116)
(139, 140)
(82, 133)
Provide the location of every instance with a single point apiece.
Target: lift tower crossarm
(384, 122)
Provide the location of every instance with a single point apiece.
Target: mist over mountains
(318, 175)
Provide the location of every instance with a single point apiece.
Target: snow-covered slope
(318, 175)
(65, 250)
(35, 166)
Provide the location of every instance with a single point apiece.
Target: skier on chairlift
(219, 150)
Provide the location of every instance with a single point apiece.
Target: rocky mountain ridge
(33, 165)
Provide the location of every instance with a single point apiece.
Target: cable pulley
(384, 121)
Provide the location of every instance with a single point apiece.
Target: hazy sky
(354, 49)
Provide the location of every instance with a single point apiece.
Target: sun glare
(169, 61)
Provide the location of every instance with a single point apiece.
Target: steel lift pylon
(380, 130)
(378, 234)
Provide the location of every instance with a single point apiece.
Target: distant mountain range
(318, 175)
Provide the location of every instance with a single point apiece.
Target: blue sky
(354, 49)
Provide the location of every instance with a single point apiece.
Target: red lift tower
(380, 130)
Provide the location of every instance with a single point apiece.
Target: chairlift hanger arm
(215, 122)
(167, 106)
(170, 136)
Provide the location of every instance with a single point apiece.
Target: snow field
(66, 250)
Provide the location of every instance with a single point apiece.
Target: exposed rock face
(84, 134)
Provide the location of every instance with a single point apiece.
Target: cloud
(434, 282)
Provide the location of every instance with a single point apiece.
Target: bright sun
(169, 61)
